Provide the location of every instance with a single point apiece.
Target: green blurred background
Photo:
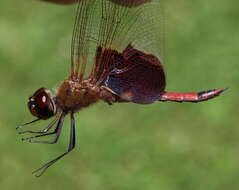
(168, 146)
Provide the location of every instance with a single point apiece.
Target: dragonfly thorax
(73, 95)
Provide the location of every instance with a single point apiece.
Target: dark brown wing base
(133, 75)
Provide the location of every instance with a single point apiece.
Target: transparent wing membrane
(114, 24)
(61, 1)
(80, 43)
(128, 3)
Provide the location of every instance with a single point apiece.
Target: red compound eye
(41, 104)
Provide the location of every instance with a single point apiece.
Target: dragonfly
(117, 39)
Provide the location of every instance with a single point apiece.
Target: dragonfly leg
(57, 131)
(46, 129)
(71, 146)
(28, 123)
(191, 97)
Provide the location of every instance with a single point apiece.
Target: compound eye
(41, 104)
(32, 106)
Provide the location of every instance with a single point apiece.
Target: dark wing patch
(136, 76)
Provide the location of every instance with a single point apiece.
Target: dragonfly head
(41, 104)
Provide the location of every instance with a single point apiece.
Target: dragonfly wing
(132, 71)
(97, 23)
(136, 77)
(120, 26)
(61, 1)
(128, 3)
(81, 45)
(103, 23)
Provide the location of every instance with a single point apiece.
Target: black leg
(28, 123)
(71, 146)
(43, 130)
(57, 131)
